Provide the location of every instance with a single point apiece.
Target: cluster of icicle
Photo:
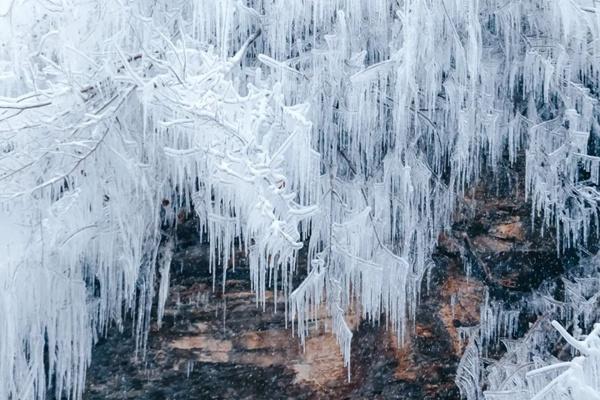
(348, 124)
(530, 367)
(107, 130)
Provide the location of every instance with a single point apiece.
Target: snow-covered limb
(529, 368)
(85, 173)
(581, 379)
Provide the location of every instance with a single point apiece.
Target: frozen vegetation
(345, 127)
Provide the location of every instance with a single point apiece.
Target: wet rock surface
(221, 345)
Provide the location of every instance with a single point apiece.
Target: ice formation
(529, 368)
(349, 126)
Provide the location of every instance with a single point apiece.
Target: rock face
(219, 344)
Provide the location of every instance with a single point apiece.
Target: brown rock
(512, 231)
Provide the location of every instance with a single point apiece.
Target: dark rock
(218, 345)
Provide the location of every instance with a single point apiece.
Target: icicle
(166, 255)
(468, 374)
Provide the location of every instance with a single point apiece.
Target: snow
(350, 125)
